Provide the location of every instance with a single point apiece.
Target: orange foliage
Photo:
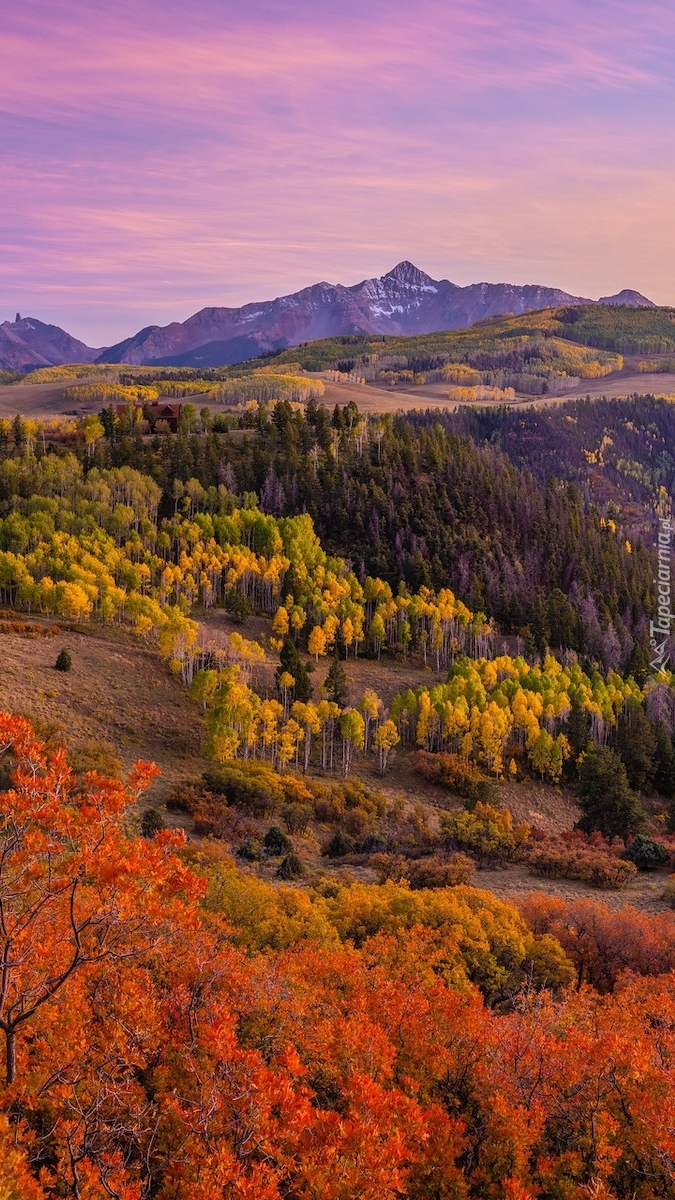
(153, 1058)
(603, 944)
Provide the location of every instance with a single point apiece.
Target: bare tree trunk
(10, 1056)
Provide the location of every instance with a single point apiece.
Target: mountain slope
(405, 301)
(28, 343)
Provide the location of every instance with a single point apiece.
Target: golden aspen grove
(409, 930)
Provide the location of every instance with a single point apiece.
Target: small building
(163, 411)
(158, 410)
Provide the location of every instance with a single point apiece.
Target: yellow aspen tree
(281, 623)
(307, 716)
(386, 737)
(466, 746)
(286, 682)
(271, 713)
(347, 633)
(204, 687)
(298, 619)
(289, 742)
(330, 628)
(93, 432)
(424, 720)
(317, 642)
(377, 632)
(327, 712)
(352, 730)
(370, 707)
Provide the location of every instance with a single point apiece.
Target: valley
(334, 764)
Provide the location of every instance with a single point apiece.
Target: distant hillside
(405, 301)
(27, 343)
(531, 353)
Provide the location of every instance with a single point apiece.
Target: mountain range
(404, 301)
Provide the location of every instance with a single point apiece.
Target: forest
(295, 977)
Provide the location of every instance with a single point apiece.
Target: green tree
(19, 431)
(636, 744)
(292, 663)
(578, 728)
(646, 853)
(276, 842)
(291, 867)
(638, 664)
(335, 684)
(152, 822)
(187, 421)
(605, 796)
(664, 775)
(237, 605)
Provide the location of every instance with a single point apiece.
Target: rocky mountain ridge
(405, 301)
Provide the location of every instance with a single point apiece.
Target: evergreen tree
(237, 605)
(638, 664)
(606, 800)
(335, 685)
(664, 762)
(636, 745)
(293, 664)
(578, 728)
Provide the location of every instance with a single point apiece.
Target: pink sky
(159, 157)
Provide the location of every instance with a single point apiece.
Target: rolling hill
(404, 302)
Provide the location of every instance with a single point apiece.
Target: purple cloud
(155, 160)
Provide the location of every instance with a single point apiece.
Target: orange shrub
(457, 774)
(557, 858)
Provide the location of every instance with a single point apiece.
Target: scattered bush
(458, 775)
(152, 822)
(435, 871)
(669, 891)
(555, 858)
(291, 867)
(389, 866)
(253, 787)
(63, 662)
(211, 814)
(440, 872)
(339, 845)
(487, 833)
(276, 843)
(94, 756)
(357, 825)
(604, 944)
(296, 817)
(251, 850)
(646, 853)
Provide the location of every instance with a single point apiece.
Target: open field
(120, 702)
(373, 398)
(45, 400)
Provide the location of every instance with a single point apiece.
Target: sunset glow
(156, 159)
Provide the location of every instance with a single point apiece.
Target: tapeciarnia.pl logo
(659, 629)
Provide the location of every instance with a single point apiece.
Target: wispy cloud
(153, 160)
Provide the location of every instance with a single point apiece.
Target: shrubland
(174, 1026)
